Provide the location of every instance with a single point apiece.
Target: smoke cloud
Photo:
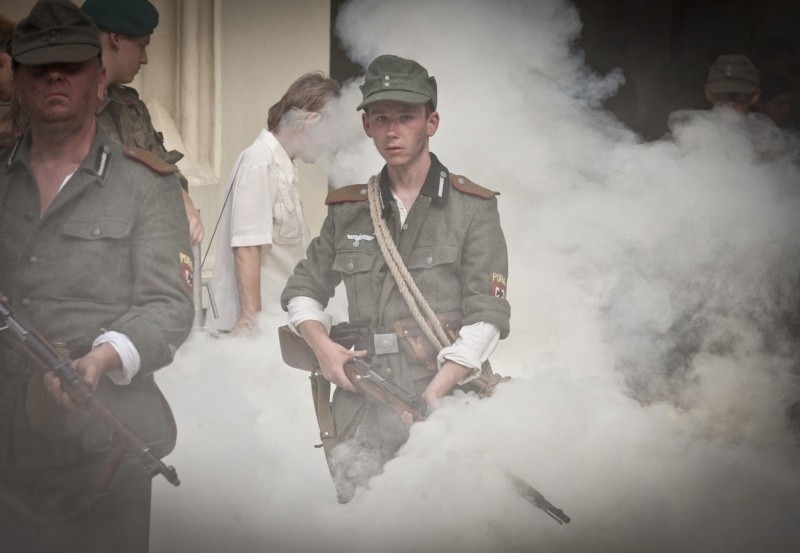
(653, 351)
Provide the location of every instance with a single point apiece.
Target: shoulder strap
(346, 194)
(463, 184)
(151, 160)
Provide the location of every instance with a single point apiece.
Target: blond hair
(308, 94)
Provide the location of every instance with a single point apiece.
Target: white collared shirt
(263, 209)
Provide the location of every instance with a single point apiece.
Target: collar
(436, 185)
(278, 153)
(94, 164)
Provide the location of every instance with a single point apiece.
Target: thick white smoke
(654, 294)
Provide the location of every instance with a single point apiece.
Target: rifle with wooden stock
(298, 354)
(22, 337)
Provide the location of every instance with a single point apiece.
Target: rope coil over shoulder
(420, 309)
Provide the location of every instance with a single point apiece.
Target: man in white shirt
(263, 230)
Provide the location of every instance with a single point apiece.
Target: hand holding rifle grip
(23, 337)
(366, 379)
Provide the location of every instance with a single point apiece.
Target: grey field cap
(733, 73)
(394, 78)
(55, 31)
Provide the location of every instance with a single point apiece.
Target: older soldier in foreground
(93, 256)
(414, 226)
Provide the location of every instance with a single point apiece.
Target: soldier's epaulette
(463, 184)
(8, 139)
(345, 194)
(151, 160)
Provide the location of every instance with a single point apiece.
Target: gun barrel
(535, 498)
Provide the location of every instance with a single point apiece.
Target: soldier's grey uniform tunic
(109, 253)
(454, 247)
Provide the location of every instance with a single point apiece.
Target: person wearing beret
(96, 260)
(125, 28)
(415, 225)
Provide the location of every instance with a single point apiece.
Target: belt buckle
(385, 343)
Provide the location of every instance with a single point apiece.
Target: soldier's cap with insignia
(732, 73)
(125, 17)
(55, 31)
(394, 78)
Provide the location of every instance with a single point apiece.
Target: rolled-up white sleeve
(128, 355)
(303, 308)
(474, 345)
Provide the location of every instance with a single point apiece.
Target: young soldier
(446, 232)
(95, 258)
(125, 29)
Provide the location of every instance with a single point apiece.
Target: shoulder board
(151, 160)
(463, 184)
(8, 140)
(345, 194)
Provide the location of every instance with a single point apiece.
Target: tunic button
(363, 191)
(32, 259)
(428, 260)
(388, 371)
(405, 226)
(95, 232)
(28, 216)
(460, 180)
(350, 266)
(25, 302)
(443, 174)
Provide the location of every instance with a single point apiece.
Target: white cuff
(303, 308)
(474, 345)
(128, 355)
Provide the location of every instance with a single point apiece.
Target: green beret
(126, 17)
(56, 31)
(398, 79)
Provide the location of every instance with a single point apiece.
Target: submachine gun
(24, 338)
(298, 354)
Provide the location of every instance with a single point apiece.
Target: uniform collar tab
(436, 185)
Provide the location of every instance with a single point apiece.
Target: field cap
(125, 17)
(56, 31)
(732, 73)
(394, 78)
